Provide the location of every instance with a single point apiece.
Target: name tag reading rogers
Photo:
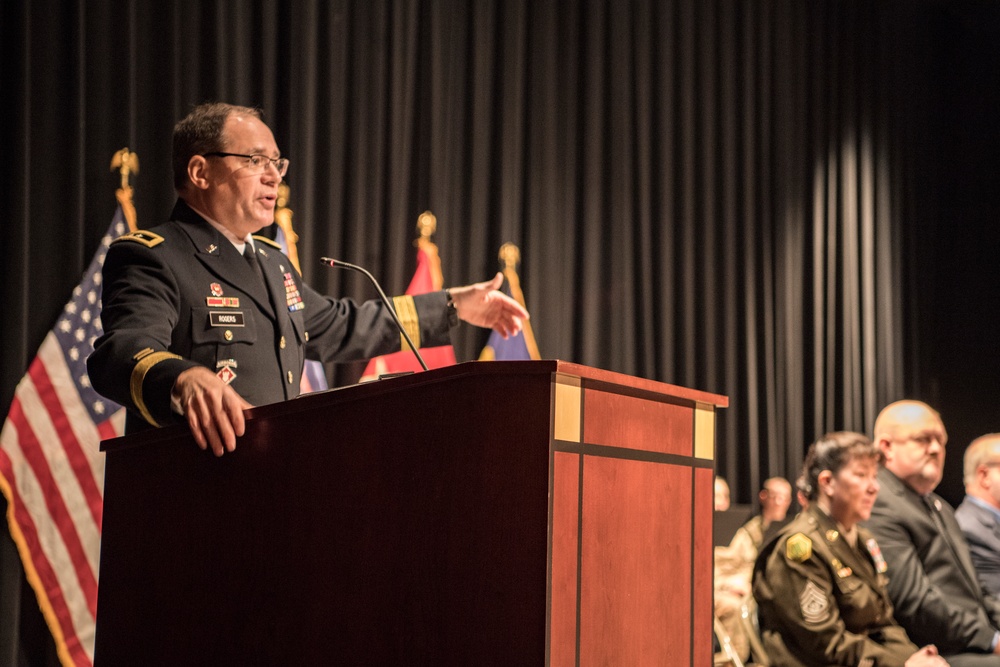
(225, 319)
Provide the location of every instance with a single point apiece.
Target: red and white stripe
(52, 472)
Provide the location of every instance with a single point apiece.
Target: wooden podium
(507, 513)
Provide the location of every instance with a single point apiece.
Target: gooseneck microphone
(337, 264)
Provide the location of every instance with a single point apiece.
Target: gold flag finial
(510, 256)
(283, 192)
(283, 218)
(427, 224)
(127, 163)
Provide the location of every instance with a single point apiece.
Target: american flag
(51, 469)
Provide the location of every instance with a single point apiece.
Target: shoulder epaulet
(270, 242)
(798, 548)
(148, 239)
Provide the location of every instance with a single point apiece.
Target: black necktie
(250, 255)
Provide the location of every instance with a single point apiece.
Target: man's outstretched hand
(484, 305)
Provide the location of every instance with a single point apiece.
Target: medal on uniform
(292, 297)
(222, 301)
(876, 554)
(842, 571)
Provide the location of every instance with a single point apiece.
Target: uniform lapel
(219, 256)
(275, 285)
(851, 557)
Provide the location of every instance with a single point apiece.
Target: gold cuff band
(139, 374)
(406, 311)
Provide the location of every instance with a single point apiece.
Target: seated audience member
(775, 499)
(820, 583)
(734, 564)
(932, 582)
(721, 494)
(729, 593)
(979, 513)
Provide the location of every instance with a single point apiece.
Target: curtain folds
(712, 193)
(707, 193)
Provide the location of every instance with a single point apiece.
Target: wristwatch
(452, 309)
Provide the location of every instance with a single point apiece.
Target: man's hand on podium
(213, 409)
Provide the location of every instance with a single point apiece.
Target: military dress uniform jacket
(933, 583)
(822, 601)
(981, 527)
(180, 295)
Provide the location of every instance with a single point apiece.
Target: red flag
(51, 469)
(427, 278)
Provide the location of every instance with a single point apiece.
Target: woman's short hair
(832, 452)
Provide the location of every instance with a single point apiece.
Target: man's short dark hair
(200, 132)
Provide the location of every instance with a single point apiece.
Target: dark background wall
(791, 203)
(954, 262)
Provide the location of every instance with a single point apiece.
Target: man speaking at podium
(203, 320)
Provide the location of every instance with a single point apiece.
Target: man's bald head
(911, 439)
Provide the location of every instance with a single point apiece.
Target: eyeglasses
(256, 163)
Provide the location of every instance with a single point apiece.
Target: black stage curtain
(747, 197)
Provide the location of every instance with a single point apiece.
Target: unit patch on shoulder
(270, 242)
(148, 239)
(815, 604)
(798, 548)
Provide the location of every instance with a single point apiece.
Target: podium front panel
(428, 519)
(631, 552)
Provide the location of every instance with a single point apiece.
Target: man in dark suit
(202, 319)
(979, 513)
(933, 584)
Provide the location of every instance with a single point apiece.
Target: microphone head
(329, 261)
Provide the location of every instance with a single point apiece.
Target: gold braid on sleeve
(406, 311)
(146, 362)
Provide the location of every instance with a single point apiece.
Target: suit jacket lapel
(956, 538)
(949, 539)
(989, 521)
